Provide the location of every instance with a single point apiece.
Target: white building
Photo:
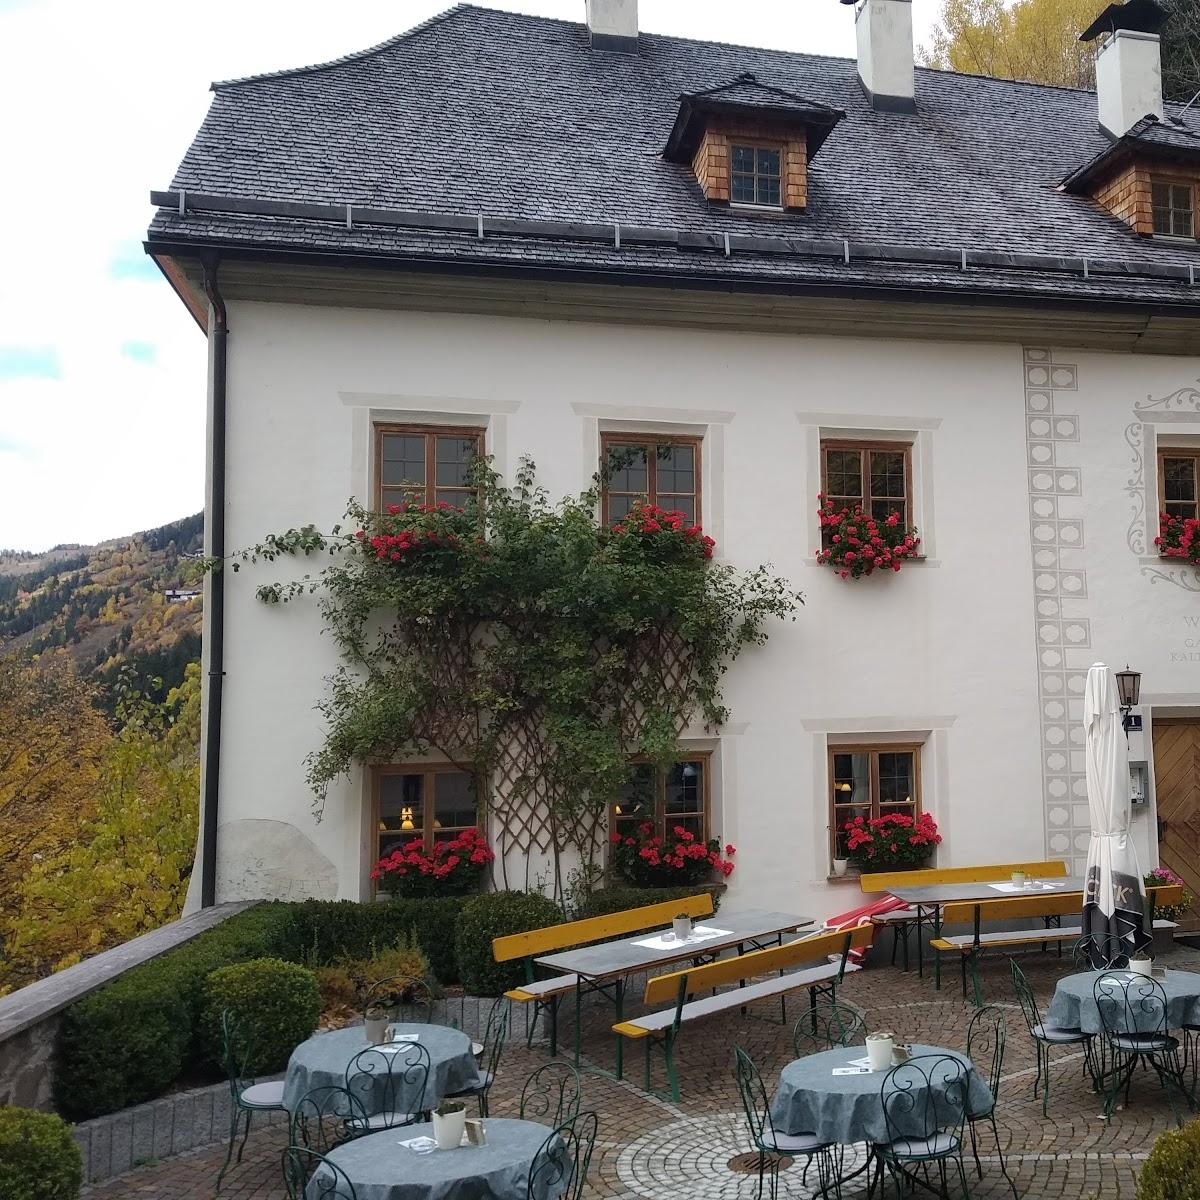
(502, 225)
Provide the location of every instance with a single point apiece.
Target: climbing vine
(461, 630)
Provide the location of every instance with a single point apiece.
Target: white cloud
(100, 102)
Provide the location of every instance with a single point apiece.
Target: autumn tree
(1181, 50)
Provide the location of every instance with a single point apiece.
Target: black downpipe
(219, 335)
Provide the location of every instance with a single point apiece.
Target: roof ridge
(355, 56)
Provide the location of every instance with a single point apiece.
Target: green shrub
(123, 1044)
(620, 896)
(322, 932)
(275, 1006)
(1172, 1170)
(494, 915)
(38, 1157)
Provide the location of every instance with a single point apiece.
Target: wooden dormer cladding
(1127, 195)
(753, 116)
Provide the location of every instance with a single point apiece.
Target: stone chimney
(885, 54)
(613, 24)
(1128, 64)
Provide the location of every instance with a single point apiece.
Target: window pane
(400, 803)
(403, 458)
(1179, 478)
(843, 473)
(635, 802)
(457, 499)
(454, 800)
(882, 509)
(742, 189)
(675, 468)
(403, 496)
(455, 457)
(768, 191)
(743, 159)
(685, 787)
(619, 506)
(627, 467)
(852, 778)
(768, 162)
(887, 473)
(896, 784)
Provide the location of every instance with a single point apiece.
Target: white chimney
(613, 24)
(1128, 80)
(885, 53)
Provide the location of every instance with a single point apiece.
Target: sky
(102, 370)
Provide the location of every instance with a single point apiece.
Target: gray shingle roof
(516, 116)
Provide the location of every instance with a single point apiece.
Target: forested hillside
(128, 602)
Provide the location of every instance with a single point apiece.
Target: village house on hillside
(764, 276)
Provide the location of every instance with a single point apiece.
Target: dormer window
(1174, 208)
(755, 175)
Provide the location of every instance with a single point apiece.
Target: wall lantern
(1129, 689)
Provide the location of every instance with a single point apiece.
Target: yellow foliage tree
(1032, 40)
(128, 871)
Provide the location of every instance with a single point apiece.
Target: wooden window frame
(1165, 452)
(428, 771)
(660, 794)
(866, 446)
(874, 749)
(608, 440)
(1160, 181)
(756, 144)
(430, 433)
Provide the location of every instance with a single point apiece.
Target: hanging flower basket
(895, 842)
(857, 544)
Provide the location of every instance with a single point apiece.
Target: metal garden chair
(551, 1095)
(986, 1036)
(308, 1175)
(325, 1117)
(246, 1096)
(827, 1024)
(403, 998)
(924, 1108)
(1093, 952)
(560, 1168)
(390, 1085)
(493, 1045)
(769, 1142)
(1133, 1015)
(1045, 1037)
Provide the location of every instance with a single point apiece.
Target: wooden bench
(1051, 906)
(546, 994)
(902, 921)
(662, 1027)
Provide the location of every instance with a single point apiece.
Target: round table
(847, 1108)
(382, 1169)
(322, 1061)
(1074, 1003)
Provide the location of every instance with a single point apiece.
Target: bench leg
(578, 1020)
(937, 958)
(619, 998)
(552, 1017)
(672, 1078)
(976, 981)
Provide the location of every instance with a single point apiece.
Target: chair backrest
(1045, 904)
(560, 1168)
(754, 1098)
(390, 1082)
(308, 1175)
(986, 1035)
(884, 881)
(1130, 1003)
(322, 1118)
(403, 998)
(1099, 952)
(551, 1095)
(661, 989)
(494, 1034)
(923, 1096)
(827, 1024)
(1025, 997)
(595, 929)
(237, 1053)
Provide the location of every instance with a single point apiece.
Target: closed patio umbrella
(1114, 904)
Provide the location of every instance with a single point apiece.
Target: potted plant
(1018, 879)
(856, 544)
(1141, 964)
(376, 1022)
(449, 1124)
(879, 1049)
(840, 866)
(895, 842)
(681, 925)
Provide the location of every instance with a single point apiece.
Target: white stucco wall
(944, 653)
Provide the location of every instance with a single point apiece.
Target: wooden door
(1177, 790)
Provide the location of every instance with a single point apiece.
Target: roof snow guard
(745, 96)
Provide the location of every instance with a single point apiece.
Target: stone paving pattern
(650, 1149)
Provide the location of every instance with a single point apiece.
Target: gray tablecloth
(381, 1169)
(322, 1061)
(1074, 1003)
(848, 1108)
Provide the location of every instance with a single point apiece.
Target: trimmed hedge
(494, 915)
(39, 1159)
(1172, 1170)
(619, 896)
(275, 1006)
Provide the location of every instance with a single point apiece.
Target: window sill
(769, 209)
(849, 877)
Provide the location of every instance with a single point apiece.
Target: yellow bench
(902, 921)
(662, 1027)
(545, 994)
(970, 946)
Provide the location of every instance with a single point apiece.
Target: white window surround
(914, 431)
(706, 424)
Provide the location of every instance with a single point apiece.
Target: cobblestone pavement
(650, 1149)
